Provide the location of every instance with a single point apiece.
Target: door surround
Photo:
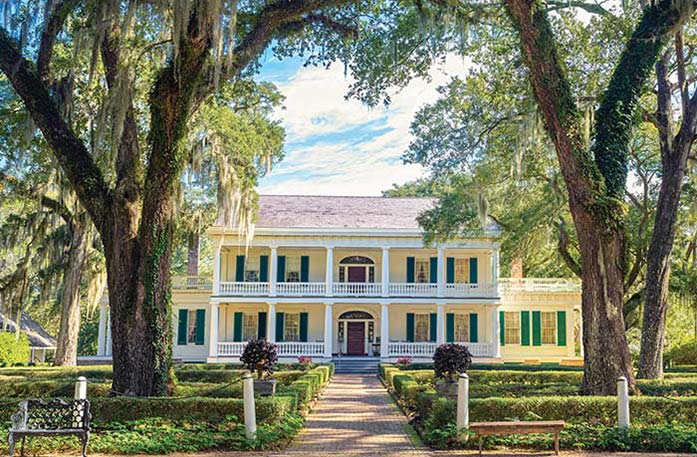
(349, 319)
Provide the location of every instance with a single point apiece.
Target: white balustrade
(539, 285)
(293, 348)
(244, 288)
(470, 290)
(300, 289)
(231, 349)
(413, 289)
(479, 349)
(411, 349)
(357, 289)
(191, 282)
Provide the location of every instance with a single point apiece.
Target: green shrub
(14, 350)
(214, 375)
(685, 354)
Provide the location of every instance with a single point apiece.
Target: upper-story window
(293, 268)
(462, 271)
(422, 272)
(251, 269)
(356, 268)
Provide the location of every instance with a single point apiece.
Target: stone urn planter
(265, 387)
(447, 389)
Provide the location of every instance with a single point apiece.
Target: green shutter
(237, 326)
(536, 328)
(473, 270)
(502, 328)
(449, 328)
(304, 268)
(263, 268)
(410, 327)
(561, 328)
(183, 326)
(279, 327)
(433, 327)
(261, 325)
(239, 269)
(450, 270)
(474, 328)
(410, 269)
(433, 270)
(200, 327)
(303, 327)
(525, 328)
(281, 272)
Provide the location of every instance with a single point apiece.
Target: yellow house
(350, 277)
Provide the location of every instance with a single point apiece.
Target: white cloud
(337, 146)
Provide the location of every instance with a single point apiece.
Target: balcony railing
(245, 289)
(231, 349)
(403, 289)
(191, 282)
(427, 349)
(470, 290)
(285, 349)
(357, 289)
(300, 289)
(539, 285)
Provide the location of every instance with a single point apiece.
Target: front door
(356, 274)
(355, 334)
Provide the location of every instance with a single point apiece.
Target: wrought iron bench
(51, 418)
(514, 428)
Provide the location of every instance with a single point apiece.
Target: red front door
(356, 274)
(354, 340)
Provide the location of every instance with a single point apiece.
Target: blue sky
(341, 147)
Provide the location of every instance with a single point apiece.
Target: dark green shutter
(281, 271)
(525, 328)
(449, 328)
(303, 327)
(502, 328)
(410, 327)
(279, 327)
(433, 270)
(237, 322)
(200, 327)
(561, 328)
(263, 268)
(450, 270)
(433, 327)
(239, 269)
(473, 270)
(474, 328)
(410, 269)
(261, 325)
(536, 328)
(183, 326)
(304, 268)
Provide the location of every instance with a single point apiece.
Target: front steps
(357, 365)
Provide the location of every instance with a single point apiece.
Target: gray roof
(38, 337)
(303, 211)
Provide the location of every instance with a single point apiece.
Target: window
(250, 326)
(191, 332)
(421, 270)
(549, 327)
(292, 327)
(512, 327)
(421, 328)
(462, 328)
(293, 268)
(462, 271)
(251, 269)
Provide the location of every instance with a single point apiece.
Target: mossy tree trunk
(596, 179)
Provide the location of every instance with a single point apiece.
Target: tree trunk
(66, 349)
(194, 243)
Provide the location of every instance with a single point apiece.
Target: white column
(216, 272)
(463, 399)
(384, 330)
(328, 334)
(440, 330)
(108, 348)
(329, 277)
(213, 332)
(441, 272)
(495, 271)
(385, 272)
(273, 271)
(495, 332)
(250, 413)
(622, 402)
(101, 333)
(271, 327)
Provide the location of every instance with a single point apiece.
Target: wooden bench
(51, 418)
(517, 428)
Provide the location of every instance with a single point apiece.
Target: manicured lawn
(205, 410)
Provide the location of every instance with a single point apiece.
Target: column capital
(440, 303)
(273, 246)
(272, 302)
(329, 303)
(385, 248)
(329, 247)
(384, 303)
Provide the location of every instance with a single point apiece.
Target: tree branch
(563, 243)
(60, 209)
(593, 8)
(71, 153)
(57, 16)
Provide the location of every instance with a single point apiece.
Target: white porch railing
(403, 289)
(470, 290)
(292, 348)
(357, 289)
(300, 289)
(479, 349)
(191, 282)
(539, 285)
(231, 349)
(411, 349)
(244, 288)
